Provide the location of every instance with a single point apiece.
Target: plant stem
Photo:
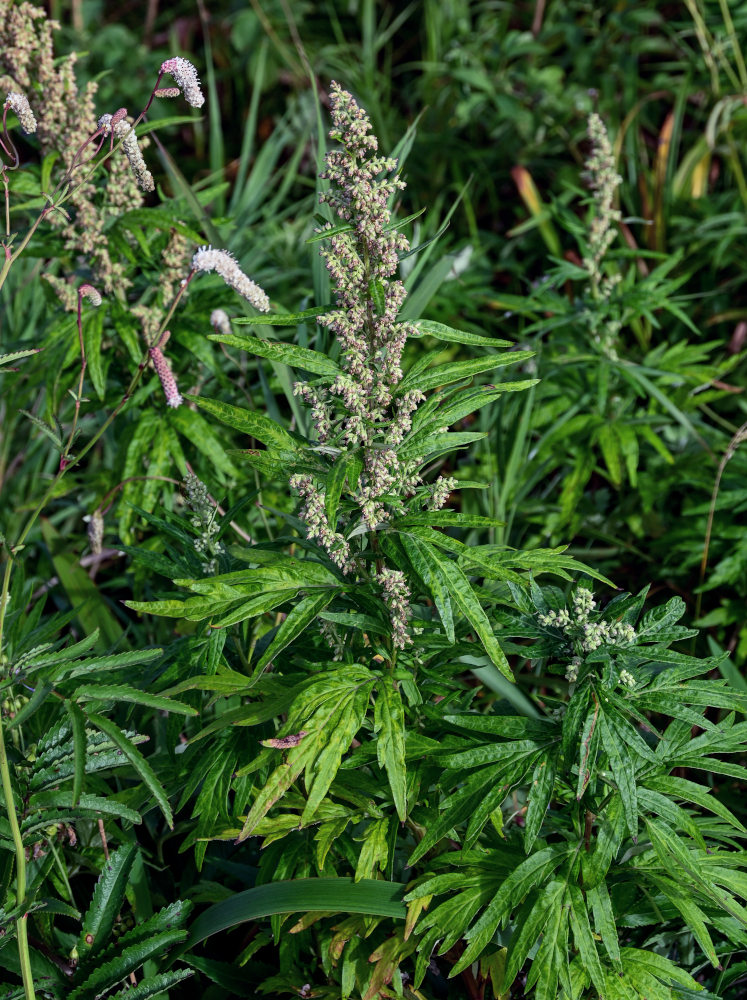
(15, 829)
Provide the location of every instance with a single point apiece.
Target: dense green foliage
(305, 690)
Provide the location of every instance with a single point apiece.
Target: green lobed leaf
(540, 794)
(111, 973)
(389, 725)
(139, 763)
(296, 622)
(623, 772)
(427, 566)
(598, 898)
(78, 724)
(465, 597)
(584, 939)
(107, 901)
(153, 986)
(530, 923)
(86, 803)
(334, 486)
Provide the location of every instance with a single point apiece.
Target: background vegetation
(626, 450)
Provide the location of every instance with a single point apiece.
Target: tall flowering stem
(364, 410)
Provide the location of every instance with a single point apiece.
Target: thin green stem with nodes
(66, 463)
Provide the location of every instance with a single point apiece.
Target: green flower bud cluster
(204, 520)
(588, 634)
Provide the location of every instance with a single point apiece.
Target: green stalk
(15, 829)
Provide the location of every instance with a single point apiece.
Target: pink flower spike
(165, 374)
(90, 293)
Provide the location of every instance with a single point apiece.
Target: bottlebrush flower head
(18, 103)
(207, 259)
(186, 79)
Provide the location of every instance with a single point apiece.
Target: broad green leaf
(456, 370)
(429, 328)
(295, 623)
(107, 901)
(251, 422)
(389, 725)
(139, 763)
(329, 895)
(283, 319)
(281, 352)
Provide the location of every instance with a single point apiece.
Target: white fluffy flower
(121, 128)
(186, 78)
(18, 103)
(221, 261)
